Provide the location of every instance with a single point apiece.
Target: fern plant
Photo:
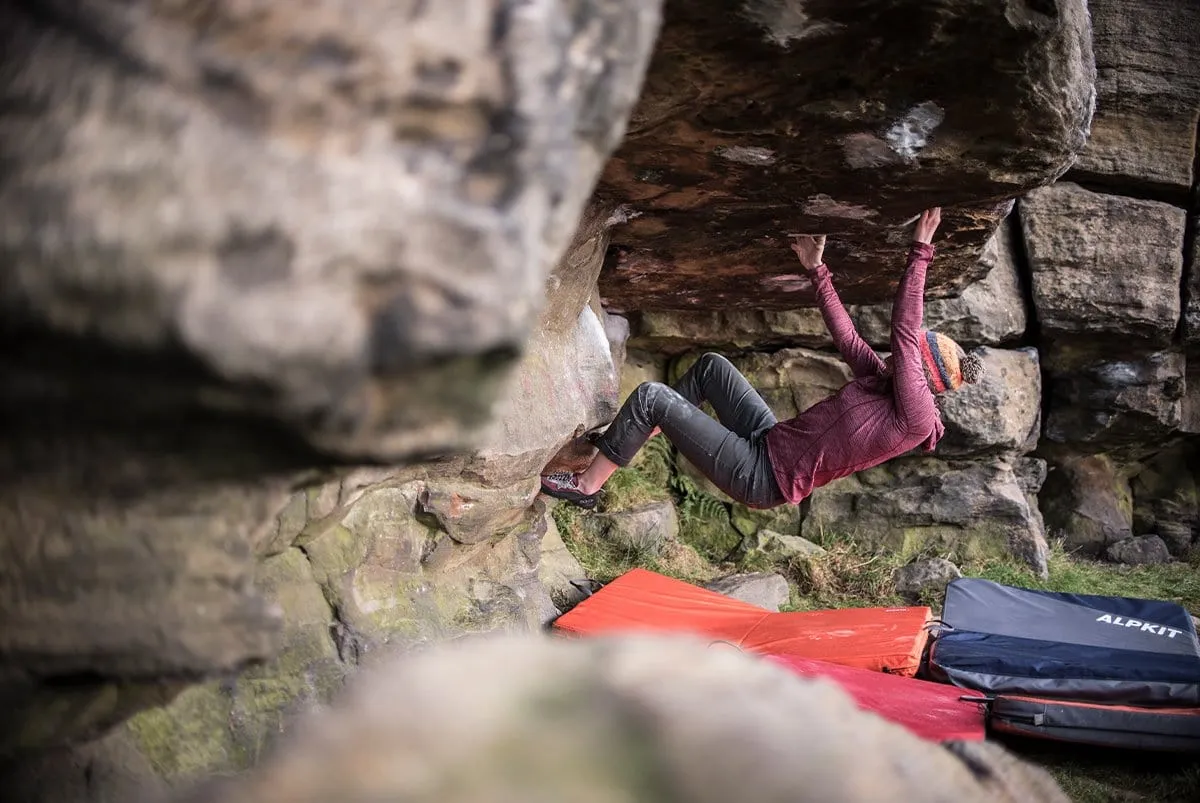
(659, 449)
(697, 503)
(656, 461)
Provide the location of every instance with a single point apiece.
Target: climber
(886, 410)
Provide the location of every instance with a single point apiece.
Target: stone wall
(1112, 253)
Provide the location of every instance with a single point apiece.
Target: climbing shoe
(563, 485)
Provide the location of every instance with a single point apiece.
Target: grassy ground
(849, 575)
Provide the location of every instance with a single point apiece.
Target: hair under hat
(947, 366)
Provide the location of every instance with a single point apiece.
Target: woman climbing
(886, 410)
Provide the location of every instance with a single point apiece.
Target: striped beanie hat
(946, 365)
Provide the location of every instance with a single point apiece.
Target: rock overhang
(781, 117)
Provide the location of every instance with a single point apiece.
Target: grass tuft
(604, 560)
(844, 577)
(1096, 775)
(629, 488)
(1179, 581)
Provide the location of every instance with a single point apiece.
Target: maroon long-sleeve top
(873, 418)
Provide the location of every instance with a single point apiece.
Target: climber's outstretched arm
(861, 358)
(909, 383)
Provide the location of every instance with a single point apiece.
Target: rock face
(405, 142)
(1189, 412)
(1148, 87)
(558, 568)
(1104, 264)
(373, 577)
(764, 589)
(385, 559)
(158, 556)
(1166, 497)
(392, 577)
(1087, 502)
(914, 579)
(728, 153)
(567, 381)
(1105, 403)
(639, 367)
(964, 509)
(517, 704)
(1106, 273)
(1000, 414)
(1140, 550)
(242, 244)
(1191, 320)
(1108, 260)
(990, 311)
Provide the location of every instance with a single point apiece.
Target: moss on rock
(977, 543)
(227, 725)
(368, 573)
(784, 519)
(335, 551)
(191, 737)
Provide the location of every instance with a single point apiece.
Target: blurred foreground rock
(338, 222)
(243, 243)
(600, 721)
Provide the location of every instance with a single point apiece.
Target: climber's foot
(565, 485)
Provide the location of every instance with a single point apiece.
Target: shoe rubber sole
(585, 502)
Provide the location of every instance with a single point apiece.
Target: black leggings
(732, 453)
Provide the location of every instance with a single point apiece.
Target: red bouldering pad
(932, 711)
(882, 639)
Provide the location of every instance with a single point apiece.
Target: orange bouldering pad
(881, 639)
(642, 600)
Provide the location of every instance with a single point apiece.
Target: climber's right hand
(927, 224)
(810, 250)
